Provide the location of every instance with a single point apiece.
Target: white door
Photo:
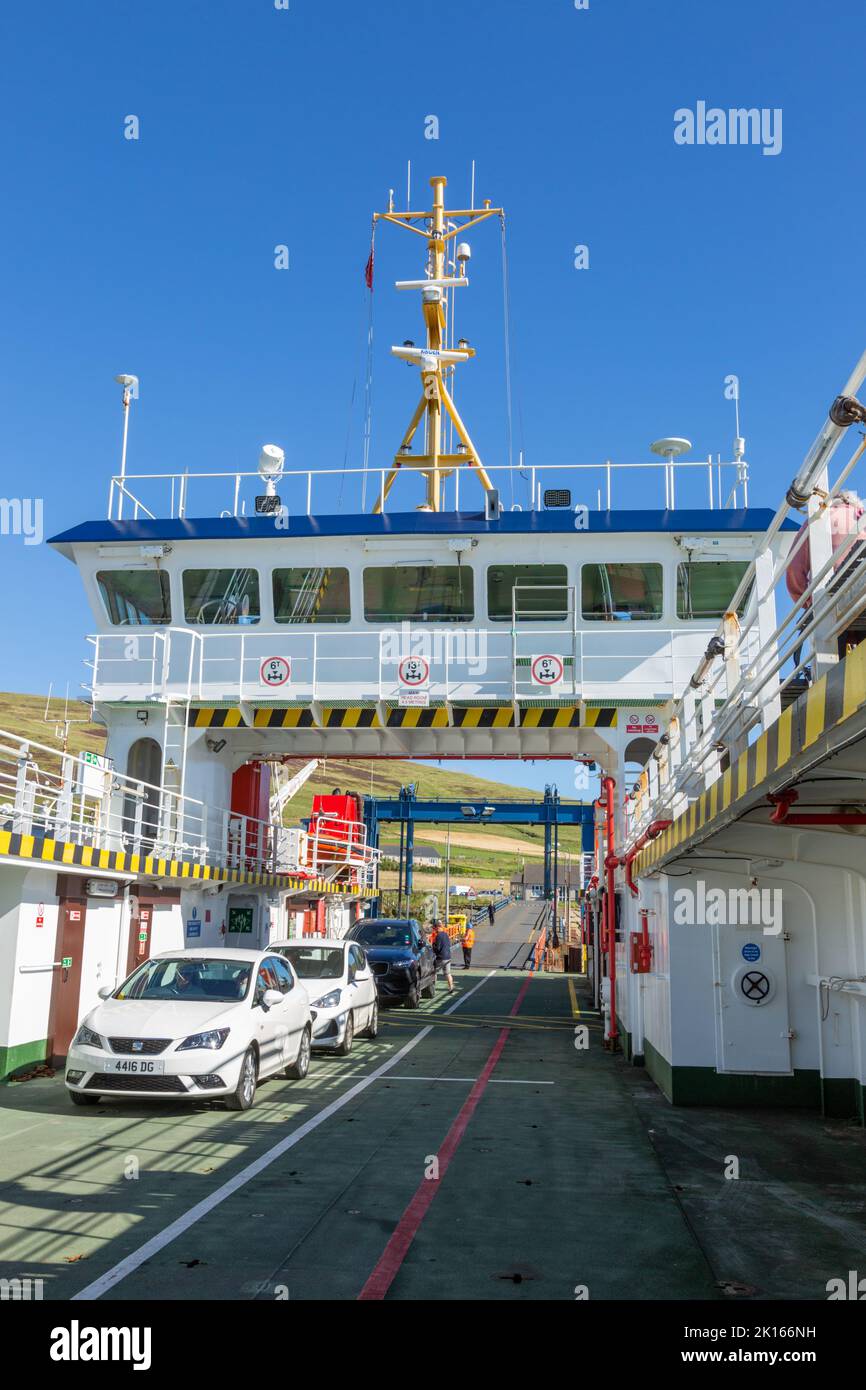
(752, 1001)
(269, 1023)
(362, 987)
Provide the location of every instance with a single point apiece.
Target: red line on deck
(395, 1252)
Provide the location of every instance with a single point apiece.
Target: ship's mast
(437, 361)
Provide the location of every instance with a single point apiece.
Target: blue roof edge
(145, 530)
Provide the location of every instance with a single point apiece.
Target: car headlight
(328, 1001)
(212, 1040)
(89, 1038)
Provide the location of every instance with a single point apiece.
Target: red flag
(368, 273)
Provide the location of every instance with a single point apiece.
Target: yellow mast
(436, 361)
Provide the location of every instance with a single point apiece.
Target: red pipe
(654, 830)
(611, 863)
(783, 802)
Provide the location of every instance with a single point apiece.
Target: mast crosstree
(438, 360)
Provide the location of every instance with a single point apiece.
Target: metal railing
(710, 482)
(642, 661)
(741, 685)
(81, 799)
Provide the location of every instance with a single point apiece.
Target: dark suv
(403, 964)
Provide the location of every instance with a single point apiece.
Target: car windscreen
(315, 962)
(384, 934)
(194, 980)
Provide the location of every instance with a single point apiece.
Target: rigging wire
(368, 384)
(506, 315)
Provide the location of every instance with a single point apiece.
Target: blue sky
(261, 127)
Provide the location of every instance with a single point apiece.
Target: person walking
(491, 914)
(442, 954)
(467, 941)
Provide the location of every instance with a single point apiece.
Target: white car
(339, 980)
(197, 1024)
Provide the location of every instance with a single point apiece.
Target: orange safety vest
(468, 939)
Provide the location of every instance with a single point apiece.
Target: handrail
(83, 799)
(744, 661)
(178, 482)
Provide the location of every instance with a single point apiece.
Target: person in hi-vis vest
(467, 941)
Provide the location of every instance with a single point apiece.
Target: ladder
(284, 790)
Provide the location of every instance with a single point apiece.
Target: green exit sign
(241, 920)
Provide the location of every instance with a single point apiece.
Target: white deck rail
(738, 689)
(709, 482)
(82, 800)
(639, 661)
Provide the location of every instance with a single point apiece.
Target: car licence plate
(135, 1066)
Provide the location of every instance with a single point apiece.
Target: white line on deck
(176, 1228)
(470, 1080)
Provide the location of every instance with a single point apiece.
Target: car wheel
(413, 998)
(82, 1098)
(245, 1092)
(372, 1029)
(348, 1037)
(301, 1065)
(429, 991)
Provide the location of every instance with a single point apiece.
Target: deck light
(272, 461)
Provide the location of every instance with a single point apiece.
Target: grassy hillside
(386, 778)
(26, 716)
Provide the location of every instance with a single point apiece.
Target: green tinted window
(135, 598)
(311, 595)
(424, 593)
(221, 596)
(705, 590)
(541, 593)
(629, 593)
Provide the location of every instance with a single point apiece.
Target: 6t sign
(275, 670)
(546, 670)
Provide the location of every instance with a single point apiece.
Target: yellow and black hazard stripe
(433, 717)
(826, 705)
(44, 850)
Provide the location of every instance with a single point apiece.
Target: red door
(139, 937)
(66, 982)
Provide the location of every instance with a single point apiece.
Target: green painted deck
(572, 1171)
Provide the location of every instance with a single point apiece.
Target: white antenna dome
(671, 448)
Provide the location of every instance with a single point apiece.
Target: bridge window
(423, 593)
(542, 593)
(705, 590)
(311, 595)
(135, 598)
(621, 593)
(221, 596)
